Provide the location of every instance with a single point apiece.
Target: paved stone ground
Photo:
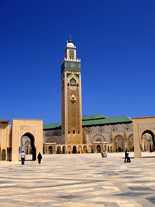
(85, 180)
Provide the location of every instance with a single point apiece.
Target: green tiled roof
(52, 126)
(93, 120)
(115, 120)
(93, 117)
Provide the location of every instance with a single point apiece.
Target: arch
(98, 137)
(89, 130)
(27, 147)
(101, 129)
(147, 141)
(79, 149)
(51, 140)
(64, 149)
(26, 127)
(58, 150)
(32, 143)
(84, 149)
(74, 149)
(118, 143)
(50, 150)
(140, 126)
(127, 127)
(114, 128)
(89, 148)
(72, 80)
(69, 149)
(98, 148)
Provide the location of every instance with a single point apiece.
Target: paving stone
(140, 188)
(151, 199)
(106, 204)
(78, 180)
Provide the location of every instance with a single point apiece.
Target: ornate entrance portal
(141, 127)
(11, 137)
(32, 146)
(30, 128)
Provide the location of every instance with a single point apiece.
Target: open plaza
(79, 180)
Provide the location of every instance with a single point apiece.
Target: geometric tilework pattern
(82, 180)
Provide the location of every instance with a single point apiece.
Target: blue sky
(115, 41)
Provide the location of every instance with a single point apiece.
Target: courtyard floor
(75, 180)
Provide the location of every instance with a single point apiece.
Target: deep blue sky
(115, 41)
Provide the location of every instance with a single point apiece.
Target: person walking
(126, 155)
(23, 157)
(39, 158)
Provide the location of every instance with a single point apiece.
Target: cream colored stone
(140, 126)
(11, 136)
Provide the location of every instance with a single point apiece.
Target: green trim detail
(71, 65)
(77, 75)
(72, 79)
(68, 74)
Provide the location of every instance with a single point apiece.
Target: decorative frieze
(27, 128)
(146, 126)
(52, 133)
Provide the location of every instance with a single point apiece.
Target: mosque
(87, 134)
(75, 133)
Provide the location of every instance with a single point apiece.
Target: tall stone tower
(71, 109)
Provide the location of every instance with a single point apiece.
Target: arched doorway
(32, 129)
(84, 149)
(28, 137)
(50, 150)
(119, 149)
(69, 149)
(58, 150)
(98, 147)
(118, 143)
(74, 149)
(28, 148)
(147, 141)
(64, 150)
(79, 149)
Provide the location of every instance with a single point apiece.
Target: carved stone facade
(144, 135)
(112, 138)
(27, 129)
(146, 127)
(11, 138)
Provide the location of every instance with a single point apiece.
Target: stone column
(126, 146)
(137, 148)
(54, 148)
(4, 127)
(112, 140)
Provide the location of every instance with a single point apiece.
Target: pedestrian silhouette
(39, 158)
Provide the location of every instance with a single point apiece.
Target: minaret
(71, 106)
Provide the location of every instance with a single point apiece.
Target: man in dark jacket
(126, 155)
(39, 158)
